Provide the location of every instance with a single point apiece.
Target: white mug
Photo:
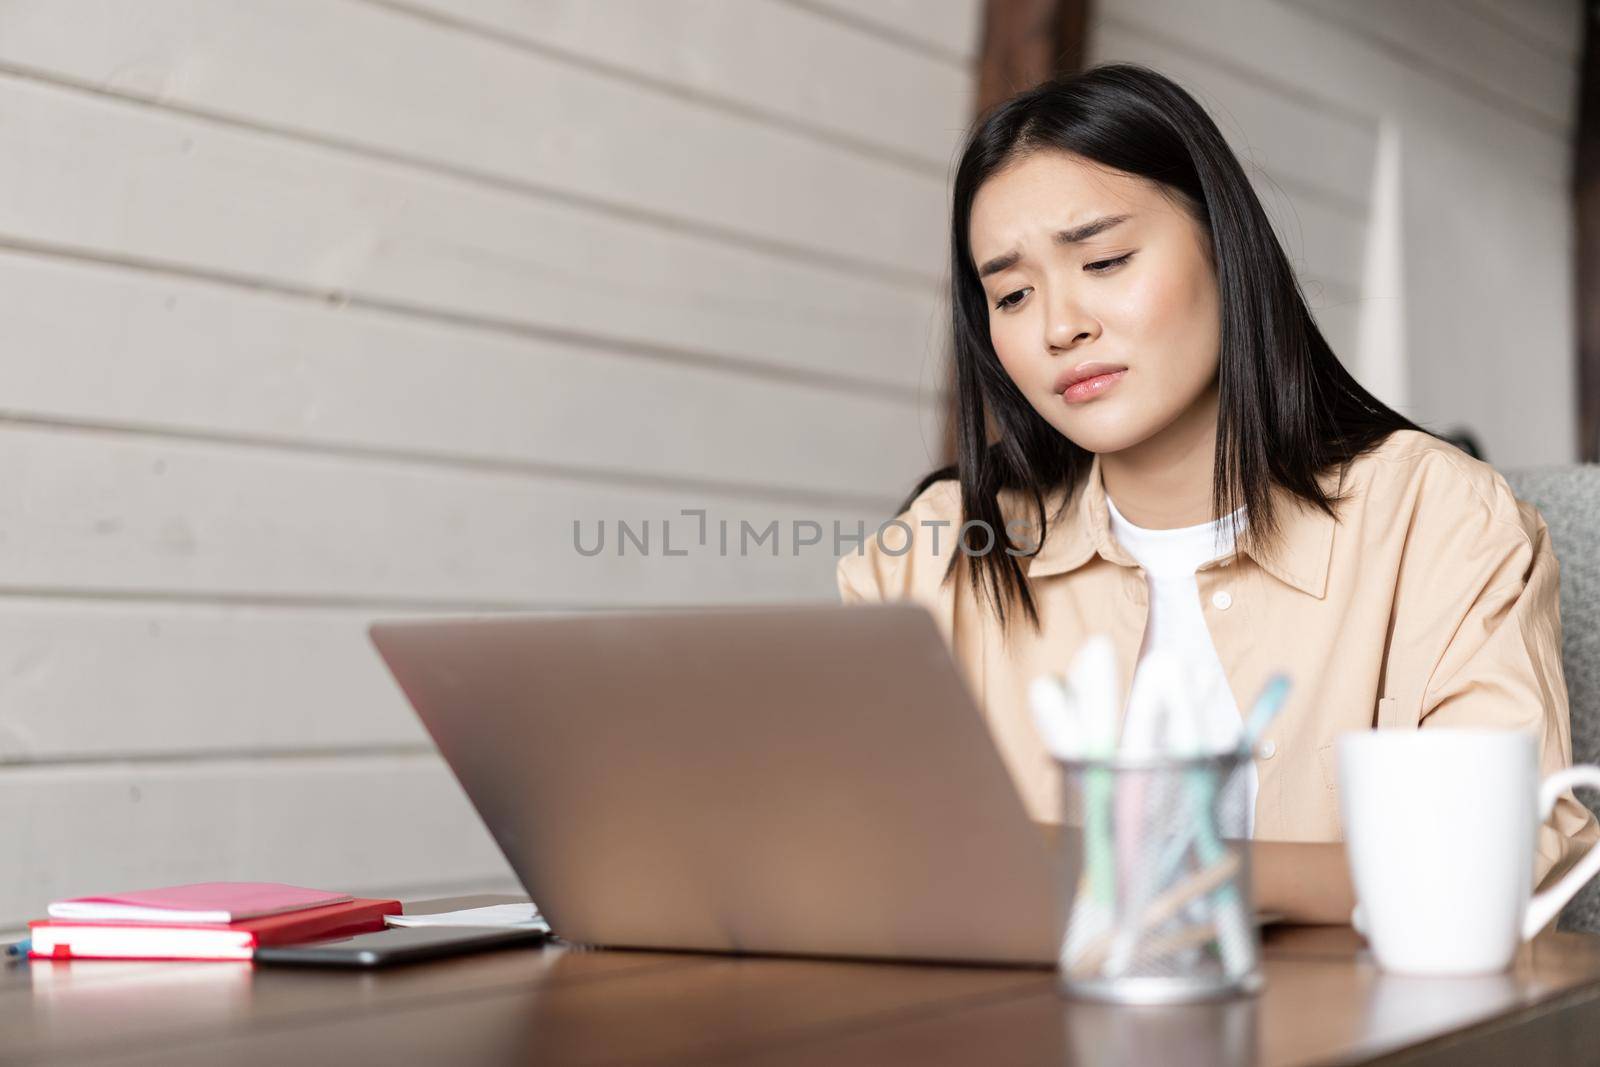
(1439, 827)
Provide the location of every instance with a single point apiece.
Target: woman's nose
(1067, 324)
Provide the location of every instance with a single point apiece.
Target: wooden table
(1324, 1002)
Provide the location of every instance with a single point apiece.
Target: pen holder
(1161, 911)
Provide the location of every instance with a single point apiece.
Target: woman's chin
(1103, 430)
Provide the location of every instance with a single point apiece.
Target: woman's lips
(1089, 388)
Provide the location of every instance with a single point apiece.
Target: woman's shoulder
(908, 553)
(1417, 475)
(939, 500)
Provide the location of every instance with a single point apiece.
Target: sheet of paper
(520, 916)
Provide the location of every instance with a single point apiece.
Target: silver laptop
(812, 779)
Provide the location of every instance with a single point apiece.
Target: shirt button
(1221, 600)
(1269, 749)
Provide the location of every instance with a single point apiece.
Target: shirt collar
(1079, 529)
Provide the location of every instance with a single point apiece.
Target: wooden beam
(1026, 42)
(1586, 203)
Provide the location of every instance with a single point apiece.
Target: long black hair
(1288, 409)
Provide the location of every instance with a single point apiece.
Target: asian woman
(1156, 442)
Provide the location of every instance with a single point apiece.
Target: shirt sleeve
(881, 570)
(857, 584)
(896, 561)
(907, 559)
(1501, 665)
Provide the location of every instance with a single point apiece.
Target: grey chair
(1569, 499)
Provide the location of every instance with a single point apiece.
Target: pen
(19, 949)
(1076, 720)
(1233, 925)
(1093, 678)
(1165, 687)
(1056, 717)
(1262, 713)
(1141, 727)
(1213, 878)
(1266, 708)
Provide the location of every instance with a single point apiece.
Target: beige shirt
(1433, 600)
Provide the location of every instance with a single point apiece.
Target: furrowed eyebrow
(1076, 235)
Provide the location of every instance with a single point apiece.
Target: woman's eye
(1106, 264)
(1010, 299)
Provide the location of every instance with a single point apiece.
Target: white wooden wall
(317, 311)
(1416, 158)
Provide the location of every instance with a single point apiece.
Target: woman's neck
(1164, 481)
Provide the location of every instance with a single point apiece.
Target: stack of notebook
(206, 921)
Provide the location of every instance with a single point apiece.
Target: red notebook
(201, 902)
(67, 940)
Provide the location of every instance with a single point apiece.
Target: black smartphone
(397, 944)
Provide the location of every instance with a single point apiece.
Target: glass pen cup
(1159, 906)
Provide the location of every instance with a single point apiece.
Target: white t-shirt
(1177, 625)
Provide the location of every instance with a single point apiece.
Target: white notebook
(509, 916)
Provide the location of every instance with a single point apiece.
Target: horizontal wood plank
(93, 513)
(760, 57)
(86, 680)
(1291, 46)
(1275, 132)
(949, 28)
(178, 355)
(1554, 25)
(371, 76)
(1450, 41)
(99, 177)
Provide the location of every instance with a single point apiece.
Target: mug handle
(1544, 906)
